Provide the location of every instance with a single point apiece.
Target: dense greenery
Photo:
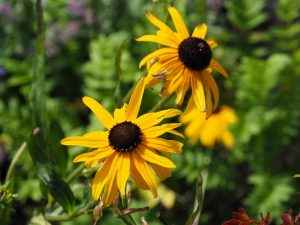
(88, 48)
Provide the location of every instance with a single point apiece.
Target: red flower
(288, 219)
(241, 218)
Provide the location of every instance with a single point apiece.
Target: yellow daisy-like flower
(129, 147)
(184, 63)
(211, 130)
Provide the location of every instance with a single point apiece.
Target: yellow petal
(139, 180)
(173, 85)
(156, 54)
(99, 154)
(135, 101)
(123, 172)
(150, 156)
(162, 173)
(156, 131)
(157, 39)
(120, 114)
(228, 139)
(209, 106)
(213, 86)
(100, 112)
(164, 29)
(198, 94)
(178, 22)
(100, 178)
(92, 140)
(184, 87)
(163, 145)
(111, 188)
(217, 66)
(150, 119)
(211, 43)
(158, 23)
(146, 173)
(200, 31)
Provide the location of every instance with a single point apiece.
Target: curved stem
(160, 104)
(14, 161)
(75, 173)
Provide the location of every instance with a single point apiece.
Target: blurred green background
(258, 44)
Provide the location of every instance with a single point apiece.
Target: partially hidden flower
(130, 147)
(241, 218)
(289, 219)
(184, 63)
(210, 130)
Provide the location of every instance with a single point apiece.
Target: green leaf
(118, 70)
(58, 153)
(60, 190)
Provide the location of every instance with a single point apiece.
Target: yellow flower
(211, 130)
(185, 62)
(129, 147)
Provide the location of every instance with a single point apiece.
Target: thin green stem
(75, 173)
(13, 163)
(160, 104)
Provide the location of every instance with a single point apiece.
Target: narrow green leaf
(59, 189)
(118, 70)
(58, 153)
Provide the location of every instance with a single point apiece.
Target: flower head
(185, 62)
(210, 130)
(129, 147)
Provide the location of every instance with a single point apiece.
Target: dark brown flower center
(195, 53)
(125, 136)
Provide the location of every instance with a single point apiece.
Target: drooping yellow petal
(157, 39)
(217, 66)
(200, 31)
(178, 22)
(96, 139)
(120, 114)
(111, 188)
(139, 180)
(163, 145)
(151, 156)
(172, 85)
(100, 177)
(198, 94)
(98, 154)
(144, 170)
(209, 106)
(162, 172)
(183, 88)
(135, 101)
(156, 131)
(100, 112)
(151, 119)
(123, 172)
(158, 53)
(213, 86)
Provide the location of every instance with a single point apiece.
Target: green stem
(160, 104)
(75, 173)
(13, 163)
(63, 217)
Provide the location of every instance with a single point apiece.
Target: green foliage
(101, 72)
(246, 15)
(269, 194)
